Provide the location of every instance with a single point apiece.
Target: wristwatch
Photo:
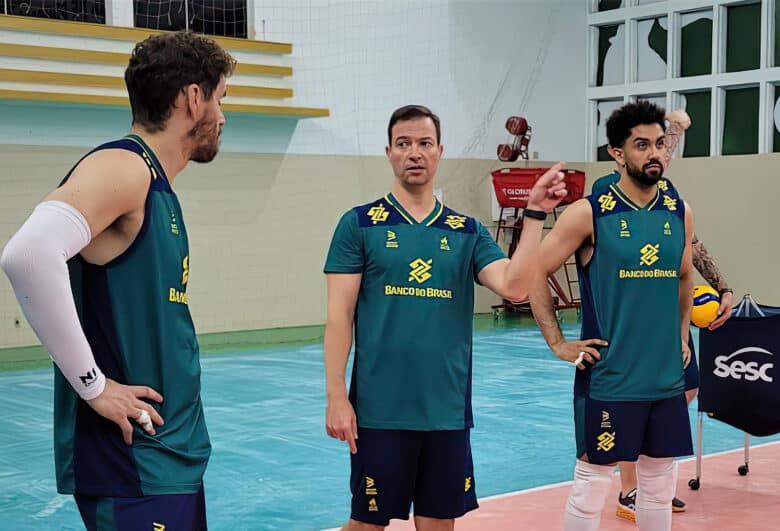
(534, 214)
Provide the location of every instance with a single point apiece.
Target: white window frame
(766, 77)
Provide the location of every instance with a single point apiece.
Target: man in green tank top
(101, 269)
(400, 274)
(677, 123)
(632, 243)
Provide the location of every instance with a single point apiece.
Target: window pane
(777, 33)
(603, 110)
(651, 49)
(743, 32)
(776, 121)
(213, 17)
(78, 10)
(696, 45)
(657, 99)
(740, 126)
(609, 69)
(697, 137)
(162, 15)
(226, 18)
(608, 5)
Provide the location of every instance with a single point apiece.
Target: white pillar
(119, 13)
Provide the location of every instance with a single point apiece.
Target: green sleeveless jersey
(135, 316)
(630, 296)
(413, 321)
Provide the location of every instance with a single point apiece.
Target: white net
(77, 10)
(226, 18)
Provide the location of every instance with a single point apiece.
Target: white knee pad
(656, 482)
(590, 490)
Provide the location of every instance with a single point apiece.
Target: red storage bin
(512, 185)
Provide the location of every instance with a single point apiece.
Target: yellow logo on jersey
(455, 222)
(667, 229)
(420, 270)
(174, 295)
(624, 232)
(174, 226)
(468, 484)
(444, 244)
(185, 270)
(371, 490)
(663, 185)
(670, 203)
(372, 506)
(605, 422)
(607, 202)
(391, 242)
(649, 254)
(378, 213)
(158, 527)
(606, 441)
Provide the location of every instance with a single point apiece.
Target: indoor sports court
(274, 468)
(518, 85)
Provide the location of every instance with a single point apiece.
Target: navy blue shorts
(692, 370)
(394, 468)
(168, 512)
(609, 432)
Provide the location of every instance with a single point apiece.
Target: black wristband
(534, 214)
(725, 290)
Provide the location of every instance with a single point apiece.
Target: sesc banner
(740, 381)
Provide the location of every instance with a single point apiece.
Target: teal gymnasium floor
(274, 468)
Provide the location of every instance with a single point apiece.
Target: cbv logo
(731, 367)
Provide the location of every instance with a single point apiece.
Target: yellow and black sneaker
(678, 506)
(626, 507)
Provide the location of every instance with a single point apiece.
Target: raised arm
(679, 122)
(511, 278)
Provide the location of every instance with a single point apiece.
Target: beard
(206, 141)
(648, 175)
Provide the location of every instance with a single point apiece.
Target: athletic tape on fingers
(144, 420)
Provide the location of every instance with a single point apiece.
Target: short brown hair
(412, 112)
(162, 65)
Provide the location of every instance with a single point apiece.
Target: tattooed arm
(679, 121)
(705, 265)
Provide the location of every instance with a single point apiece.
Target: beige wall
(259, 228)
(259, 225)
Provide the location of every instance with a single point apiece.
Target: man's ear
(193, 97)
(617, 154)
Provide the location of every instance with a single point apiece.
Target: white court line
(53, 506)
(564, 483)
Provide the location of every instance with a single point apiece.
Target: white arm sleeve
(35, 262)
